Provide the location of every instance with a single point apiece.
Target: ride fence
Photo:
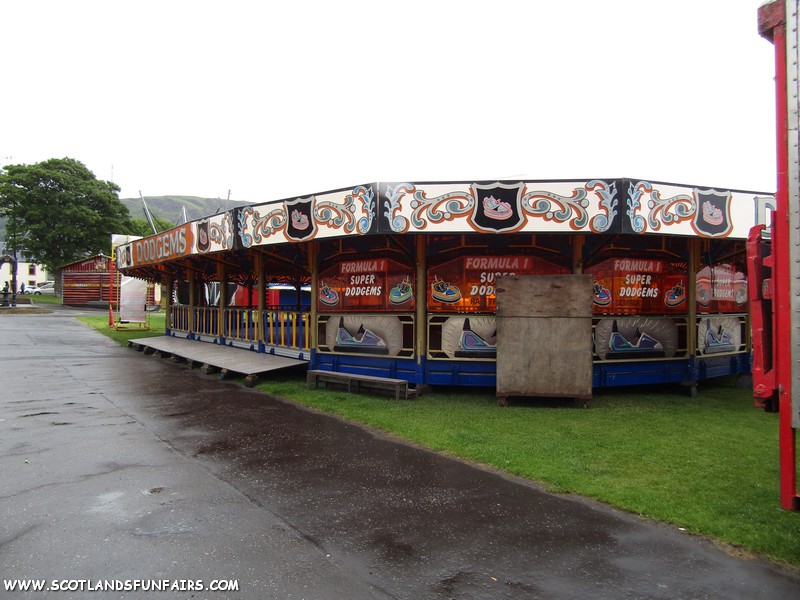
(273, 328)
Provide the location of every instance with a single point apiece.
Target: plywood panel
(544, 296)
(544, 336)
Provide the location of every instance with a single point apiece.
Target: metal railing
(241, 324)
(279, 328)
(206, 320)
(179, 318)
(289, 329)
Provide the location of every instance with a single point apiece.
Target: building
(28, 272)
(85, 281)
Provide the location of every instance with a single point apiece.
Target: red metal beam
(772, 25)
(759, 283)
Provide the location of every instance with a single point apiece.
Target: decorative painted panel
(721, 288)
(467, 284)
(591, 206)
(162, 247)
(692, 211)
(331, 214)
(499, 207)
(631, 285)
(215, 233)
(375, 284)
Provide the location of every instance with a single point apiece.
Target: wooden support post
(192, 303)
(577, 254)
(421, 300)
(313, 254)
(262, 297)
(222, 276)
(167, 288)
(691, 327)
(693, 268)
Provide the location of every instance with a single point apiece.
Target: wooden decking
(214, 356)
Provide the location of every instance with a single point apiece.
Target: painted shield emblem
(123, 256)
(712, 215)
(203, 240)
(300, 222)
(497, 207)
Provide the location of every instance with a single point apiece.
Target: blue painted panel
(639, 373)
(455, 372)
(398, 368)
(483, 374)
(721, 366)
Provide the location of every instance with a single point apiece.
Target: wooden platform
(212, 357)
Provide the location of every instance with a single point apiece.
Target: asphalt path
(120, 468)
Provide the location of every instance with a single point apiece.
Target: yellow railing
(206, 321)
(289, 329)
(240, 324)
(179, 318)
(282, 328)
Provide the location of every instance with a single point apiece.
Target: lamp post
(14, 262)
(12, 265)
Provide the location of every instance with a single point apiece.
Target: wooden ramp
(212, 357)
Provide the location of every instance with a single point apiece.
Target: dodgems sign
(171, 244)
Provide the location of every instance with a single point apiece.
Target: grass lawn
(100, 322)
(707, 464)
(44, 299)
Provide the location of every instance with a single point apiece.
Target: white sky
(279, 99)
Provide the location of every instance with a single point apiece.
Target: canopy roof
(278, 230)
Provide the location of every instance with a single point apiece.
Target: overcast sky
(277, 99)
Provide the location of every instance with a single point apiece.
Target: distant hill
(169, 207)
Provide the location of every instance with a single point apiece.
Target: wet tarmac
(119, 465)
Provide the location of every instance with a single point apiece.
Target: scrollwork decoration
(397, 222)
(635, 191)
(337, 215)
(608, 203)
(223, 233)
(441, 208)
(452, 205)
(367, 197)
(266, 225)
(244, 214)
(558, 208)
(332, 214)
(667, 211)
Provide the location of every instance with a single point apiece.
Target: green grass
(44, 299)
(707, 464)
(121, 336)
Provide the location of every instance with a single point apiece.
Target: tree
(58, 211)
(142, 227)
